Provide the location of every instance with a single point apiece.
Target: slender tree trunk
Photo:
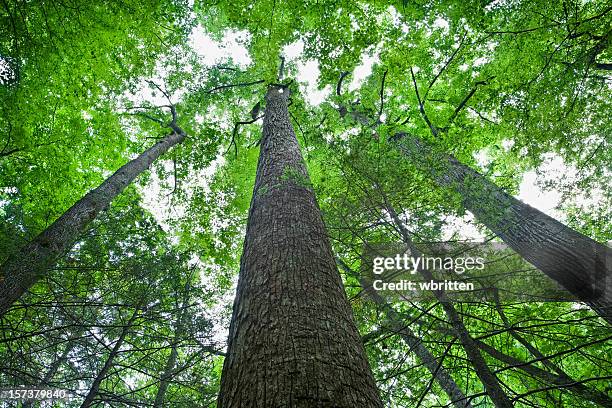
(30, 263)
(95, 386)
(579, 264)
(444, 379)
(484, 373)
(293, 340)
(561, 381)
(57, 363)
(572, 385)
(169, 368)
(561, 378)
(166, 376)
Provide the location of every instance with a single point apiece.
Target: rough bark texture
(579, 264)
(293, 340)
(435, 368)
(22, 270)
(492, 386)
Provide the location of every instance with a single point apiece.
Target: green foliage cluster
(504, 86)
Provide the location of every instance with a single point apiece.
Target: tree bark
(30, 263)
(166, 375)
(435, 368)
(579, 264)
(293, 341)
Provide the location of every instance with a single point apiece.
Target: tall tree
(108, 363)
(437, 371)
(293, 341)
(577, 262)
(491, 383)
(24, 268)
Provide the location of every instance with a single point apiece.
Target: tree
(419, 124)
(575, 261)
(578, 263)
(292, 338)
(23, 269)
(447, 383)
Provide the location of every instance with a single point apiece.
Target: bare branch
(382, 95)
(434, 130)
(448, 62)
(339, 85)
(161, 90)
(466, 99)
(235, 133)
(242, 84)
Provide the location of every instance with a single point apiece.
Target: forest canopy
(192, 194)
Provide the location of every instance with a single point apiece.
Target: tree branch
(434, 130)
(242, 84)
(339, 85)
(448, 62)
(466, 99)
(382, 95)
(235, 132)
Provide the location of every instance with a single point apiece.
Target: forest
(233, 204)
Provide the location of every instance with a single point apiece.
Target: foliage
(504, 86)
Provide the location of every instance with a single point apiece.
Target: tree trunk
(166, 375)
(579, 264)
(561, 378)
(444, 379)
(293, 341)
(55, 366)
(29, 264)
(561, 381)
(179, 332)
(95, 385)
(487, 377)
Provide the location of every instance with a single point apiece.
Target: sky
(232, 46)
(211, 52)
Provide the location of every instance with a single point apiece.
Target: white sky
(214, 52)
(232, 47)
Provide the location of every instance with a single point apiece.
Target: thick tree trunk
(487, 377)
(293, 340)
(22, 270)
(435, 368)
(579, 264)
